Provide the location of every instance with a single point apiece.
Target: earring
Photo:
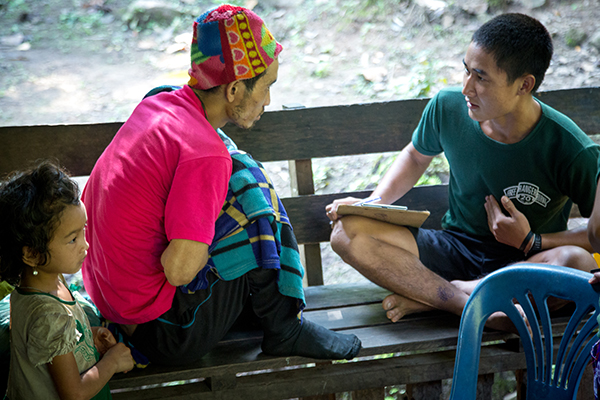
(35, 272)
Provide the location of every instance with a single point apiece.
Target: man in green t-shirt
(516, 167)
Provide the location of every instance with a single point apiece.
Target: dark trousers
(197, 322)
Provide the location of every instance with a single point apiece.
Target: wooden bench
(417, 351)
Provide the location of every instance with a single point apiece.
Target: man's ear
(527, 84)
(30, 257)
(233, 90)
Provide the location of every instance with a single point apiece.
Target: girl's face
(68, 246)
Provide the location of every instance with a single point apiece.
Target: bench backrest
(298, 136)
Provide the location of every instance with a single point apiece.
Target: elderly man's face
(253, 104)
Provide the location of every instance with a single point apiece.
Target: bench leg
(521, 377)
(424, 391)
(369, 394)
(586, 386)
(330, 396)
(484, 386)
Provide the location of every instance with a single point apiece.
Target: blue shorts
(457, 255)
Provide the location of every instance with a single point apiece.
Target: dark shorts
(457, 255)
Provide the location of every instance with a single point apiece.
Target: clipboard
(397, 215)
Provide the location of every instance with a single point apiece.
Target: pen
(367, 201)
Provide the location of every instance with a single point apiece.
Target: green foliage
(15, 7)
(424, 75)
(366, 9)
(395, 392)
(321, 177)
(322, 70)
(433, 175)
(75, 23)
(367, 175)
(238, 3)
(498, 4)
(575, 37)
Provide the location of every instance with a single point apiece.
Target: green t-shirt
(543, 174)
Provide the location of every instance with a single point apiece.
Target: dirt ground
(65, 61)
(75, 61)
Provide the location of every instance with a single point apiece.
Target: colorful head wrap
(230, 43)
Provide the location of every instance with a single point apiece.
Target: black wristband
(537, 243)
(526, 241)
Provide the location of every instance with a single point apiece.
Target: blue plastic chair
(549, 375)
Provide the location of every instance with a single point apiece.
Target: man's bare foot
(501, 322)
(466, 286)
(397, 306)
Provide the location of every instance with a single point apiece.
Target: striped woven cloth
(252, 231)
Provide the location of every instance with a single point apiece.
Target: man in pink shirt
(156, 192)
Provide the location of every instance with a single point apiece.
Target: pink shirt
(164, 176)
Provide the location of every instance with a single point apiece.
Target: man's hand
(332, 208)
(510, 230)
(595, 278)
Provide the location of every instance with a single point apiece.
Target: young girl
(54, 352)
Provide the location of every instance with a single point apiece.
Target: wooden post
(521, 377)
(330, 396)
(424, 391)
(369, 394)
(484, 386)
(586, 386)
(301, 181)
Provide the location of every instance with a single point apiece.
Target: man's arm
(404, 173)
(593, 229)
(183, 259)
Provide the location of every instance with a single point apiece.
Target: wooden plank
(279, 135)
(311, 225)
(349, 317)
(343, 294)
(77, 147)
(332, 378)
(419, 332)
(581, 105)
(331, 131)
(229, 358)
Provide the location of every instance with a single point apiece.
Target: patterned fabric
(229, 43)
(252, 231)
(596, 368)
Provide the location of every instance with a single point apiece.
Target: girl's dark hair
(520, 45)
(31, 203)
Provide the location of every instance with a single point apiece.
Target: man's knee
(344, 233)
(569, 256)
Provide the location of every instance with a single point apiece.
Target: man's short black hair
(520, 45)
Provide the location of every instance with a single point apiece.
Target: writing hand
(332, 208)
(511, 229)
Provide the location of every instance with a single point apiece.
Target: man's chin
(246, 127)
